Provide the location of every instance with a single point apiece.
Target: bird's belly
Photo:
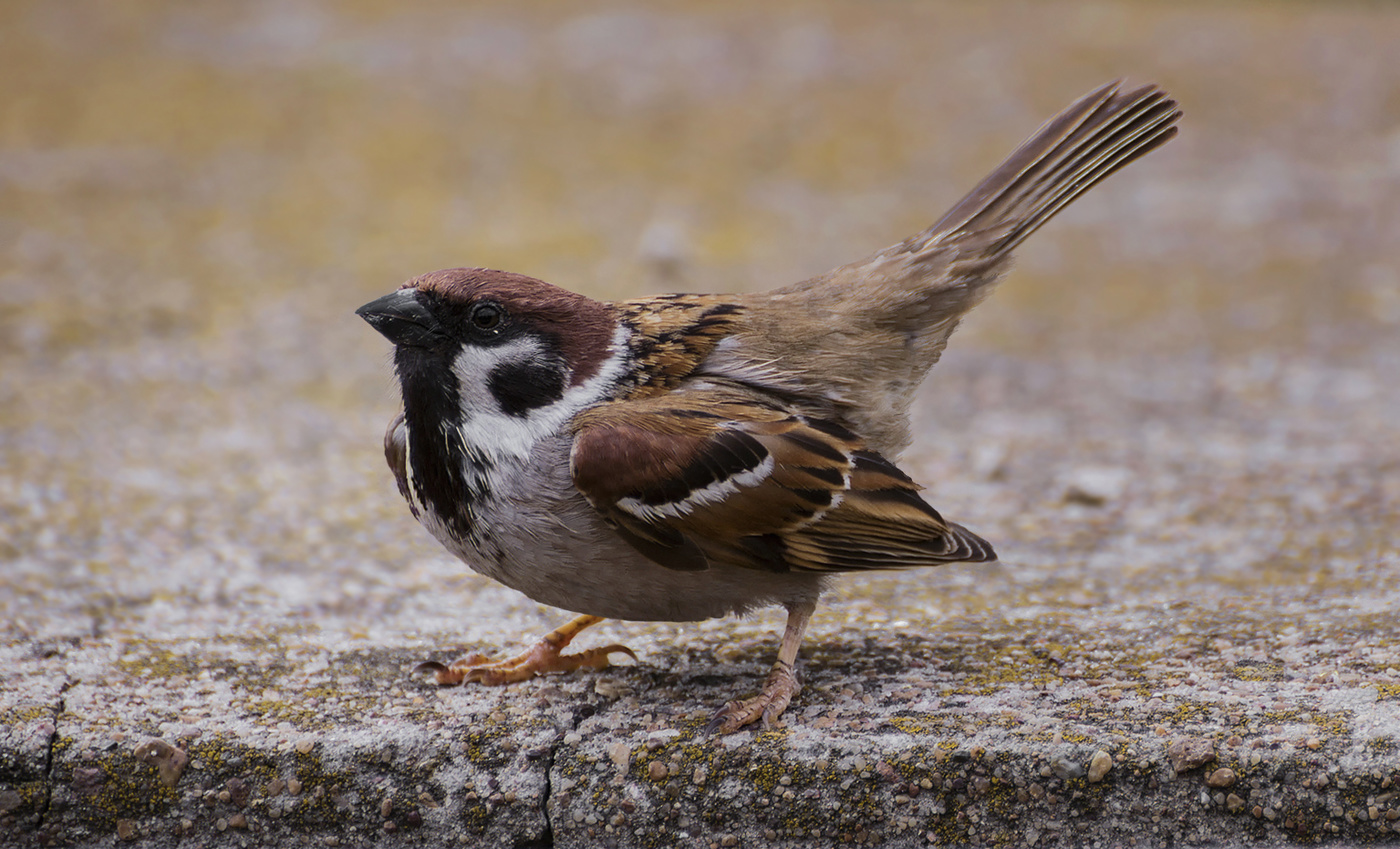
(563, 554)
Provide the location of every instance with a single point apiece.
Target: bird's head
(499, 343)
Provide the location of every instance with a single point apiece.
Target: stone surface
(1178, 423)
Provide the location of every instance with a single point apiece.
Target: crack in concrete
(50, 754)
(546, 840)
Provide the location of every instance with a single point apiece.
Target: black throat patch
(439, 462)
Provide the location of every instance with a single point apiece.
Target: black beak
(403, 319)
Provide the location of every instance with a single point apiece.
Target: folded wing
(692, 477)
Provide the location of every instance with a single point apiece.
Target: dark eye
(487, 316)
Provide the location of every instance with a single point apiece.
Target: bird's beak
(403, 319)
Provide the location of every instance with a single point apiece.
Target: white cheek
(473, 367)
(489, 430)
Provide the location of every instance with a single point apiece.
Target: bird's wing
(692, 477)
(396, 455)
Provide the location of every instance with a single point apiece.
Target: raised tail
(886, 318)
(1098, 134)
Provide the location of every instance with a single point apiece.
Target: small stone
(294, 786)
(1036, 791)
(573, 738)
(275, 787)
(1095, 486)
(1065, 769)
(126, 829)
(1233, 803)
(785, 780)
(1257, 812)
(1223, 777)
(729, 840)
(305, 746)
(1374, 812)
(386, 808)
(609, 689)
(168, 760)
(700, 774)
(1190, 752)
(221, 824)
(656, 771)
(620, 754)
(1313, 743)
(1270, 814)
(238, 820)
(1099, 766)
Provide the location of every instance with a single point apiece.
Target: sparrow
(688, 456)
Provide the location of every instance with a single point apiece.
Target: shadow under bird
(683, 457)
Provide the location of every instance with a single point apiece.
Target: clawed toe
(453, 675)
(767, 706)
(543, 657)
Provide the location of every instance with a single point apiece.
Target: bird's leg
(781, 686)
(544, 656)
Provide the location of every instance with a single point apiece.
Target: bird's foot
(541, 658)
(545, 656)
(767, 706)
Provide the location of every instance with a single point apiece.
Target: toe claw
(600, 658)
(712, 728)
(443, 676)
(621, 649)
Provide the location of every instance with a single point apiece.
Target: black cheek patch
(521, 387)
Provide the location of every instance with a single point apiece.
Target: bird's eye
(487, 316)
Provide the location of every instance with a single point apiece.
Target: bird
(683, 457)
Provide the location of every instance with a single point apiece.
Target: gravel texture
(1178, 423)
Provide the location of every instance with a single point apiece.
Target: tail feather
(891, 313)
(1070, 154)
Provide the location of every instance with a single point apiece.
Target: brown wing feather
(396, 455)
(697, 476)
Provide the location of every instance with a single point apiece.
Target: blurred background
(194, 198)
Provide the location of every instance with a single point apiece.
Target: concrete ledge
(975, 736)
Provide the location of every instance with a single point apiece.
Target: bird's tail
(888, 316)
(1095, 136)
